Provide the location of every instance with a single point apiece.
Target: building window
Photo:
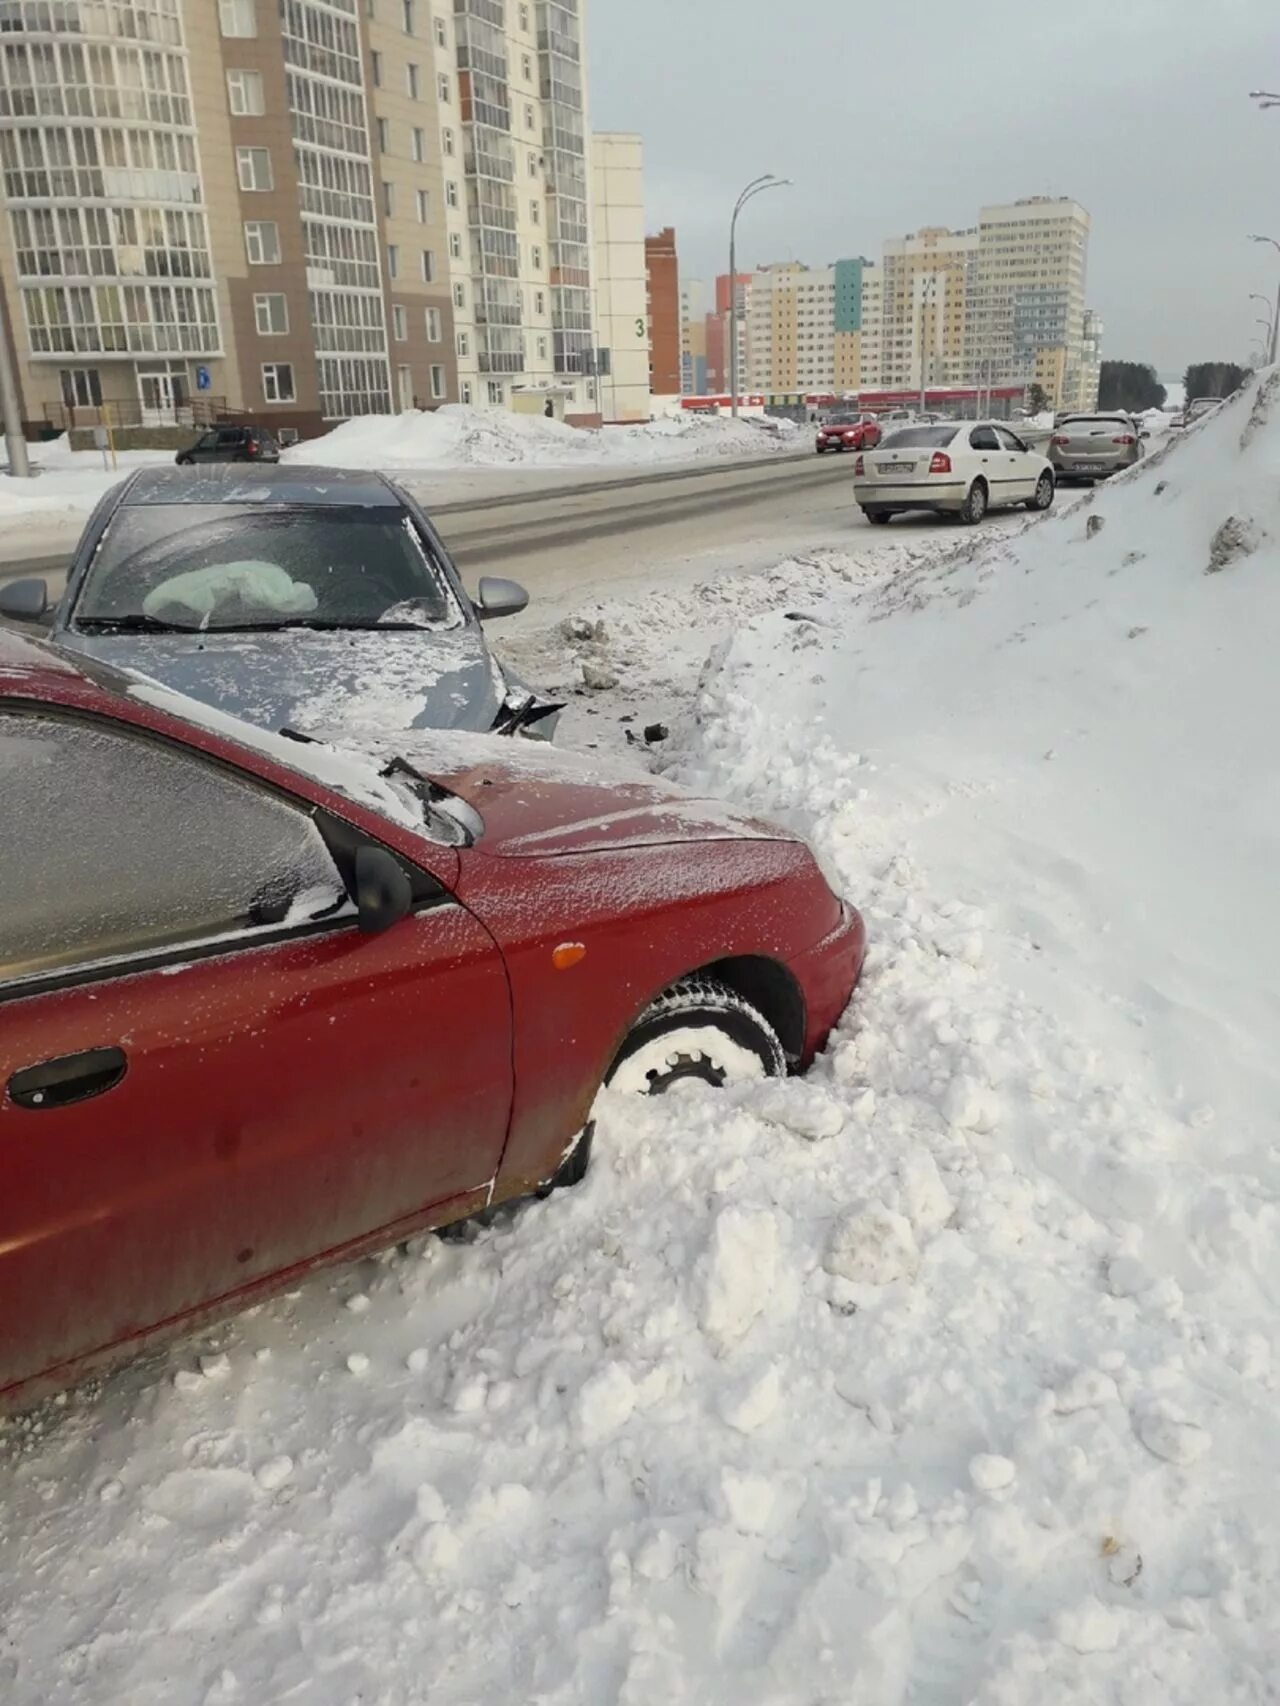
(400, 323)
(393, 260)
(244, 94)
(442, 33)
(464, 344)
(411, 81)
(464, 390)
(459, 295)
(253, 168)
(539, 302)
(442, 86)
(236, 18)
(497, 393)
(407, 10)
(271, 315)
(81, 387)
(533, 165)
(542, 349)
(535, 213)
(446, 143)
(423, 199)
(262, 242)
(535, 258)
(277, 381)
(375, 67)
(526, 67)
(388, 199)
(524, 17)
(451, 192)
(433, 325)
(530, 119)
(428, 266)
(455, 245)
(384, 136)
(419, 145)
(437, 382)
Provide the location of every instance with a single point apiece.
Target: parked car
(962, 468)
(269, 1005)
(1090, 447)
(304, 598)
(848, 432)
(231, 444)
(1196, 410)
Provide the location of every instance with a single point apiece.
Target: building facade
(662, 266)
(805, 327)
(297, 209)
(1026, 320)
(927, 278)
(620, 274)
(693, 337)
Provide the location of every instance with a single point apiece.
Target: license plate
(897, 467)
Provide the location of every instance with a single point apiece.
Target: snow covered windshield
(920, 437)
(242, 566)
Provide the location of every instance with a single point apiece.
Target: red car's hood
(537, 801)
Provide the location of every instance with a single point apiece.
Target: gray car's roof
(248, 483)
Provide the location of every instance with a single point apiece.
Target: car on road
(1196, 410)
(231, 444)
(302, 598)
(848, 432)
(268, 1004)
(962, 468)
(1091, 447)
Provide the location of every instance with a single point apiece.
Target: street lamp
(1275, 316)
(1266, 303)
(756, 187)
(1265, 98)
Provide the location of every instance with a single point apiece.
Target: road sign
(203, 380)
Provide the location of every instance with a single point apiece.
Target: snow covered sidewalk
(946, 1375)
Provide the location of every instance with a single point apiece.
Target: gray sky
(892, 114)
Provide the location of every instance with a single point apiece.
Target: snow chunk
(805, 1109)
(923, 1195)
(749, 1500)
(746, 1273)
(874, 1246)
(1089, 1627)
(989, 1472)
(1167, 1435)
(751, 1407)
(606, 1402)
(1085, 1390)
(275, 1472)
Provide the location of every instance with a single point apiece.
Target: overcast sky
(893, 114)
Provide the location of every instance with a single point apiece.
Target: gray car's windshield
(244, 566)
(920, 437)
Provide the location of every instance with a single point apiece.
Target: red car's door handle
(69, 1078)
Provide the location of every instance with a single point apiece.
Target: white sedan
(962, 467)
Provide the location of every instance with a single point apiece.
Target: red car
(265, 1004)
(848, 432)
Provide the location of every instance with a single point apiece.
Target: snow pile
(67, 482)
(458, 436)
(948, 1374)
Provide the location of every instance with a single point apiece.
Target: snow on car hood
(382, 680)
(537, 801)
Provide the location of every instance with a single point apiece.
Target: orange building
(663, 270)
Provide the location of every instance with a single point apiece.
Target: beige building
(617, 217)
(805, 329)
(693, 337)
(926, 281)
(297, 210)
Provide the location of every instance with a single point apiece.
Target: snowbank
(460, 437)
(67, 483)
(948, 1374)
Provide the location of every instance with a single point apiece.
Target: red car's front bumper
(828, 974)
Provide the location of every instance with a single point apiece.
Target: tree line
(1134, 385)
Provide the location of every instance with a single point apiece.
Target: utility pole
(1275, 316)
(14, 438)
(756, 187)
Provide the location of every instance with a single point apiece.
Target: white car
(963, 468)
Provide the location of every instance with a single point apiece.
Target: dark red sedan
(847, 432)
(266, 1004)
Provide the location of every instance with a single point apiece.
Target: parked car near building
(1091, 447)
(268, 1004)
(302, 598)
(231, 444)
(962, 468)
(848, 432)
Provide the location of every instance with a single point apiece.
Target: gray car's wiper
(317, 624)
(136, 622)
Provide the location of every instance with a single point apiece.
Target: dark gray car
(310, 599)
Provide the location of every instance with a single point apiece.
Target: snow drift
(946, 1375)
(457, 436)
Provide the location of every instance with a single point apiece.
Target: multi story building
(662, 266)
(1026, 320)
(693, 337)
(730, 292)
(620, 274)
(924, 294)
(1090, 360)
(300, 209)
(871, 375)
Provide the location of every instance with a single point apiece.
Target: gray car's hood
(316, 682)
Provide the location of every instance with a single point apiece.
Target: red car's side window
(126, 845)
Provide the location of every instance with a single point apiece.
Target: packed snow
(66, 483)
(948, 1374)
(457, 436)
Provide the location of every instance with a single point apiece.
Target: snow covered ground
(946, 1375)
(460, 437)
(67, 483)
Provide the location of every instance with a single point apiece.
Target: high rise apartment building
(298, 209)
(693, 337)
(662, 266)
(620, 275)
(926, 283)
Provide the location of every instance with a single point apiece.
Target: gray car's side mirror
(500, 598)
(25, 600)
(384, 893)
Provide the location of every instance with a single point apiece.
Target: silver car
(1090, 447)
(313, 600)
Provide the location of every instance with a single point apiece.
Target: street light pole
(756, 187)
(14, 437)
(1275, 316)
